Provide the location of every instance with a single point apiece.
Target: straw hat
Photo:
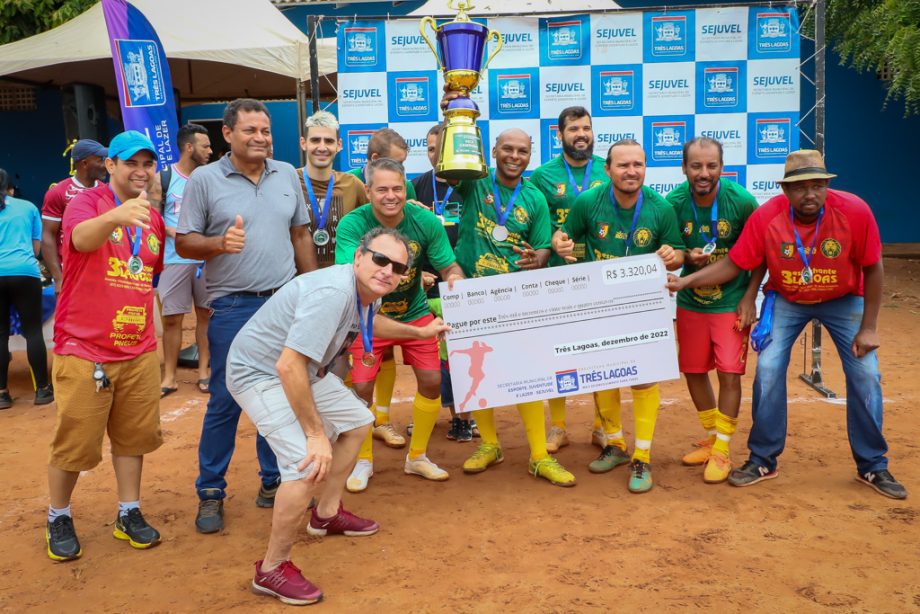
(805, 164)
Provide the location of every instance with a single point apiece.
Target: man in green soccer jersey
(408, 303)
(561, 180)
(713, 322)
(624, 218)
(505, 227)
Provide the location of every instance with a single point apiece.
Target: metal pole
(312, 30)
(815, 379)
(301, 118)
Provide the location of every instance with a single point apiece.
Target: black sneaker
(454, 427)
(266, 496)
(465, 430)
(750, 473)
(132, 528)
(210, 518)
(62, 541)
(44, 395)
(884, 483)
(6, 401)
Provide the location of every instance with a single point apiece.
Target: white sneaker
(599, 438)
(555, 439)
(362, 472)
(425, 468)
(388, 435)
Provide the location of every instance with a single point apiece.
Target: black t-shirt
(450, 216)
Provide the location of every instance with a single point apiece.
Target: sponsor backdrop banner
(142, 75)
(660, 78)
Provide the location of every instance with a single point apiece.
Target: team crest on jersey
(642, 237)
(603, 229)
(490, 200)
(724, 227)
(560, 189)
(117, 235)
(830, 248)
(153, 244)
(415, 248)
(688, 229)
(521, 216)
(787, 250)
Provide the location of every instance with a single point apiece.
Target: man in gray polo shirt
(278, 372)
(245, 214)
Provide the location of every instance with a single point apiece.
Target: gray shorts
(267, 406)
(179, 285)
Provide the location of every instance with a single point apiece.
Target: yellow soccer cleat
(486, 455)
(699, 456)
(388, 435)
(717, 469)
(550, 469)
(555, 439)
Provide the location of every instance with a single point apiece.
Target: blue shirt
(20, 224)
(172, 206)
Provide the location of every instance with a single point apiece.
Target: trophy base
(461, 153)
(454, 172)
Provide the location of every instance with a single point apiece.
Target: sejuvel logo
(609, 138)
(360, 46)
(669, 35)
(773, 137)
(552, 137)
(357, 146)
(142, 76)
(412, 96)
(564, 40)
(617, 89)
(720, 87)
(514, 94)
(668, 140)
(567, 381)
(773, 33)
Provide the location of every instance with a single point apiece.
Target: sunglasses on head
(382, 260)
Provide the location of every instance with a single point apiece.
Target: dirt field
(812, 540)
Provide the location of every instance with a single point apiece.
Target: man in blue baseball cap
(88, 165)
(106, 367)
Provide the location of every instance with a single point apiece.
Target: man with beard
(713, 322)
(561, 180)
(616, 219)
(505, 227)
(824, 255)
(88, 158)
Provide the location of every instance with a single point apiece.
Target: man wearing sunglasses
(279, 371)
(408, 304)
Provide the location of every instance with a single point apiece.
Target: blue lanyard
(714, 218)
(636, 210)
(439, 206)
(584, 182)
(319, 218)
(367, 326)
(501, 214)
(806, 259)
(133, 240)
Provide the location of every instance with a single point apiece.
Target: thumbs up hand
(234, 239)
(134, 212)
(564, 246)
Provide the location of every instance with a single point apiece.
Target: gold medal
(368, 359)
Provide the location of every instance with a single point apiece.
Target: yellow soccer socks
(425, 413)
(367, 447)
(608, 410)
(557, 412)
(535, 428)
(725, 428)
(383, 391)
(485, 421)
(645, 413)
(708, 420)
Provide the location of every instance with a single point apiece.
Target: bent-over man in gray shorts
(278, 372)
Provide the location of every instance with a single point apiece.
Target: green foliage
(24, 18)
(880, 36)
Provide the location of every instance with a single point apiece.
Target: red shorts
(419, 353)
(709, 341)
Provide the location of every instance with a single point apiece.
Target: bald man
(505, 227)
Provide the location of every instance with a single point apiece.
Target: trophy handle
(498, 46)
(434, 26)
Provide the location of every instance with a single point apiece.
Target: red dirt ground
(812, 540)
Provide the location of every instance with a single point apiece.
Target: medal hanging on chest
(321, 236)
(135, 265)
(807, 275)
(366, 324)
(439, 206)
(712, 236)
(500, 231)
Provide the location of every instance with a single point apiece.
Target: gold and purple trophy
(460, 52)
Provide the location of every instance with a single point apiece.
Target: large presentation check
(536, 335)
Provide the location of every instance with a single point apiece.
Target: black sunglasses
(383, 260)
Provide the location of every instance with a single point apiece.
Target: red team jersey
(56, 200)
(104, 313)
(848, 240)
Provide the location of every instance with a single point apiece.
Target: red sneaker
(286, 583)
(343, 523)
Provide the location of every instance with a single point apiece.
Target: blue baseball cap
(85, 148)
(128, 143)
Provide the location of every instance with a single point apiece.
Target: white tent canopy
(218, 49)
(440, 8)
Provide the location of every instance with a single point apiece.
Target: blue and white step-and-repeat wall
(657, 77)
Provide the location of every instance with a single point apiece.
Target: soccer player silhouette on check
(477, 353)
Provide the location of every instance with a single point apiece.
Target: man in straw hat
(823, 253)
